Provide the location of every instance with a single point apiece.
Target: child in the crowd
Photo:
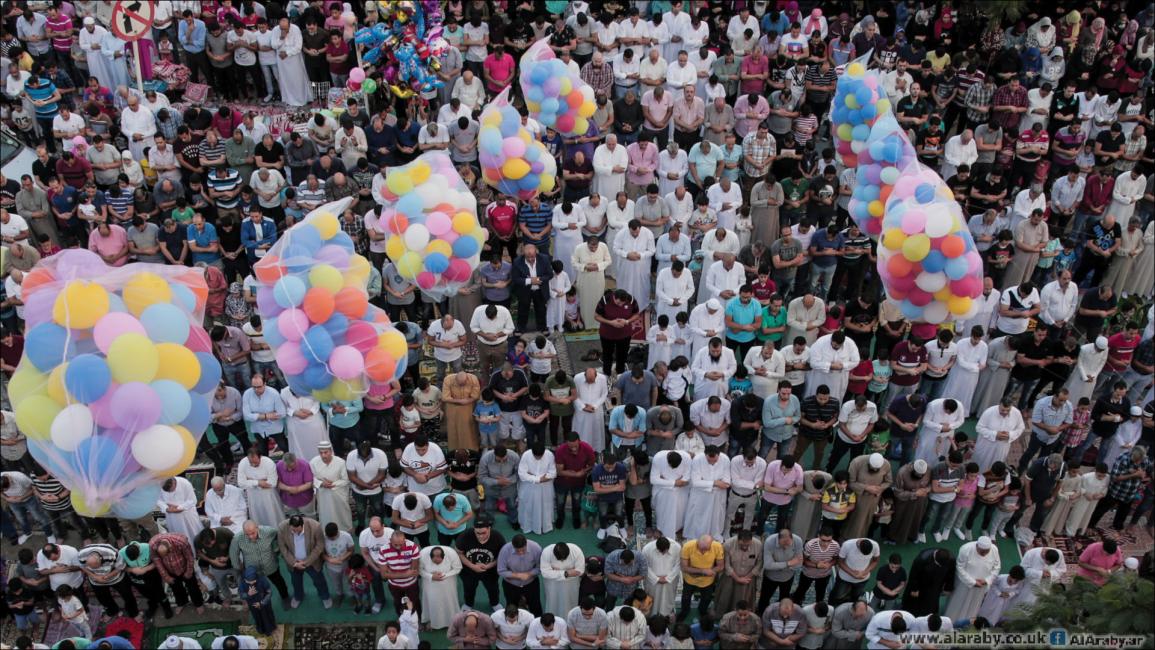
(659, 340)
(1065, 260)
(704, 632)
(46, 247)
(535, 415)
(22, 603)
(518, 358)
(883, 513)
(740, 383)
(559, 286)
(541, 353)
(410, 418)
(72, 611)
(573, 312)
(164, 48)
(889, 583)
(593, 581)
(879, 440)
(1045, 268)
(1009, 504)
(681, 638)
(963, 444)
(676, 384)
(999, 256)
(833, 321)
(964, 500)
(394, 485)
(838, 502)
(1079, 429)
(880, 380)
(360, 581)
(641, 601)
(488, 417)
(339, 549)
(743, 226)
(683, 336)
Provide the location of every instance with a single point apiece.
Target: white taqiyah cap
(876, 461)
(984, 542)
(920, 466)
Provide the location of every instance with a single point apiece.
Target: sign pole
(136, 59)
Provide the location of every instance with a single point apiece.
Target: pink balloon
(458, 270)
(102, 408)
(292, 324)
(566, 123)
(346, 362)
(135, 406)
(974, 262)
(913, 222)
(112, 325)
(450, 236)
(426, 280)
(904, 283)
(362, 336)
(198, 340)
(919, 297)
(357, 75)
(438, 223)
(290, 360)
(513, 147)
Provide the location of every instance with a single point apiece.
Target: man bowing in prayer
(1044, 566)
(589, 420)
(998, 427)
(712, 368)
(634, 248)
(663, 572)
(257, 476)
(1003, 594)
(590, 263)
(536, 472)
(331, 482)
(674, 289)
(932, 571)
(977, 567)
(225, 506)
(138, 124)
(178, 502)
(870, 475)
(610, 162)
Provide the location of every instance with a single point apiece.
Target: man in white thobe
(998, 428)
(610, 162)
(535, 493)
(986, 306)
(673, 165)
(767, 367)
(257, 476)
(672, 247)
(725, 198)
(1129, 189)
(670, 478)
(707, 320)
(138, 125)
(709, 486)
(663, 573)
(832, 357)
(681, 204)
(331, 485)
(178, 502)
(568, 220)
(722, 279)
(225, 506)
(938, 428)
(674, 289)
(1001, 597)
(562, 566)
(1044, 566)
(590, 263)
(804, 315)
(975, 570)
(619, 213)
(589, 419)
(634, 247)
(291, 73)
(713, 366)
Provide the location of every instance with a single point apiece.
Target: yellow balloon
(35, 414)
(86, 509)
(546, 184)
(326, 277)
(395, 247)
(190, 452)
(525, 136)
(394, 343)
(56, 389)
(346, 390)
(581, 124)
(358, 265)
(26, 382)
(133, 357)
(565, 86)
(409, 265)
(515, 169)
(439, 246)
(855, 69)
(419, 172)
(178, 363)
(959, 305)
(326, 223)
(399, 183)
(532, 107)
(323, 395)
(916, 247)
(944, 294)
(481, 235)
(587, 110)
(145, 289)
(893, 238)
(881, 106)
(875, 208)
(463, 222)
(851, 101)
(491, 118)
(80, 305)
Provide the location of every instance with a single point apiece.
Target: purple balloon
(38, 306)
(537, 167)
(79, 263)
(267, 303)
(135, 406)
(334, 256)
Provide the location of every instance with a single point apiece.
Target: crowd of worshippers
(705, 213)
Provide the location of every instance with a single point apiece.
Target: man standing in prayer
(225, 506)
(998, 427)
(977, 567)
(331, 482)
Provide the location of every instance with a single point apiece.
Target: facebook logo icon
(1057, 638)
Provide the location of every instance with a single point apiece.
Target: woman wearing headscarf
(817, 22)
(1016, 36)
(132, 169)
(258, 594)
(944, 24)
(1091, 41)
(1069, 29)
(1030, 66)
(1041, 35)
(1054, 67)
(792, 13)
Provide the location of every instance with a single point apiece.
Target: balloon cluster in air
(554, 95)
(512, 160)
(405, 46)
(117, 379)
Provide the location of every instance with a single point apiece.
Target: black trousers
(103, 594)
(186, 589)
(1122, 509)
(770, 587)
(804, 583)
(152, 588)
(528, 299)
(1092, 265)
(841, 448)
(470, 581)
(256, 80)
(705, 597)
(845, 592)
(198, 61)
(528, 596)
(614, 353)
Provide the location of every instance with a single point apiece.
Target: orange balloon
(444, 207)
(352, 302)
(884, 193)
(575, 99)
(899, 266)
(318, 304)
(195, 280)
(269, 269)
(397, 223)
(380, 365)
(952, 246)
(37, 277)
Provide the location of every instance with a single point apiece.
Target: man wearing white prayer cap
(174, 642)
(976, 569)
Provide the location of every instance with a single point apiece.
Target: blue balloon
(165, 323)
(549, 105)
(198, 418)
(509, 127)
(924, 193)
(137, 503)
(184, 297)
(316, 377)
(410, 205)
(317, 344)
(909, 310)
(98, 461)
(861, 133)
(534, 94)
(437, 262)
(490, 141)
(210, 373)
(175, 401)
(297, 384)
(538, 74)
(934, 262)
(868, 112)
(297, 258)
(863, 94)
(854, 117)
(336, 326)
(271, 333)
(343, 240)
(46, 345)
(50, 457)
(306, 236)
(532, 154)
(956, 268)
(87, 377)
(289, 291)
(529, 182)
(465, 247)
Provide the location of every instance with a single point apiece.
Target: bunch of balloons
(512, 160)
(117, 378)
(859, 100)
(359, 82)
(886, 152)
(435, 238)
(329, 341)
(405, 45)
(554, 96)
(927, 259)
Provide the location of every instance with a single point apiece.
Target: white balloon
(938, 221)
(158, 447)
(416, 237)
(936, 312)
(72, 425)
(930, 282)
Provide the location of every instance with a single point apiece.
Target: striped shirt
(110, 560)
(50, 487)
(814, 552)
(118, 203)
(399, 559)
(535, 219)
(230, 182)
(41, 92)
(306, 195)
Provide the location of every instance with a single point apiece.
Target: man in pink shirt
(498, 70)
(110, 242)
(783, 480)
(643, 156)
(1099, 560)
(750, 110)
(658, 109)
(754, 72)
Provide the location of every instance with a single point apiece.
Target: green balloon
(369, 86)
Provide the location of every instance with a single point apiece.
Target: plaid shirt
(615, 565)
(356, 232)
(1006, 96)
(1132, 146)
(1126, 490)
(179, 560)
(601, 78)
(168, 127)
(1080, 426)
(759, 152)
(978, 95)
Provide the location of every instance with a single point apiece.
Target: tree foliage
(1121, 606)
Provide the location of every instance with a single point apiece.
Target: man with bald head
(138, 125)
(702, 562)
(530, 281)
(256, 547)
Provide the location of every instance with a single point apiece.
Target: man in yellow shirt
(702, 562)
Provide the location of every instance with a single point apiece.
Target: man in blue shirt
(257, 234)
(203, 243)
(45, 99)
(743, 319)
(191, 33)
(825, 248)
(535, 223)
